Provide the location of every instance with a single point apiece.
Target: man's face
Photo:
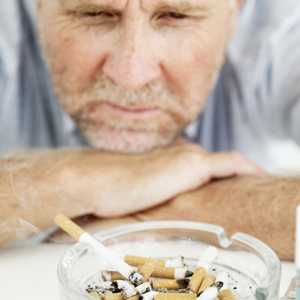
(134, 73)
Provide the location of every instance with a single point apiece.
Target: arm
(261, 206)
(35, 187)
(32, 192)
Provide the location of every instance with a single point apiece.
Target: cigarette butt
(139, 261)
(170, 284)
(113, 296)
(69, 227)
(175, 296)
(177, 262)
(208, 281)
(144, 288)
(163, 272)
(117, 276)
(136, 297)
(171, 273)
(95, 295)
(197, 279)
(147, 270)
(112, 276)
(209, 294)
(226, 295)
(148, 296)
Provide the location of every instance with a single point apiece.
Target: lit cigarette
(207, 282)
(197, 279)
(147, 270)
(226, 295)
(139, 261)
(80, 235)
(207, 257)
(171, 273)
(175, 296)
(209, 294)
(113, 296)
(170, 284)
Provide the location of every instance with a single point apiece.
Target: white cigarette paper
(207, 257)
(79, 234)
(209, 294)
(113, 259)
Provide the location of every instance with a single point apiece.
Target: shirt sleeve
(278, 80)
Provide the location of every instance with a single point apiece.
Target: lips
(131, 110)
(103, 110)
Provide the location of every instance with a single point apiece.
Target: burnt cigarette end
(189, 273)
(136, 279)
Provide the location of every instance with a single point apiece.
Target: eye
(102, 14)
(172, 15)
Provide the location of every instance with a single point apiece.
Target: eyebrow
(184, 6)
(88, 3)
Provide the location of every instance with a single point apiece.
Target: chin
(127, 141)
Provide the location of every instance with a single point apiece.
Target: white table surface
(30, 273)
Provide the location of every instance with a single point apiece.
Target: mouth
(131, 110)
(109, 107)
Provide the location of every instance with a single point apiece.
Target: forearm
(263, 207)
(32, 192)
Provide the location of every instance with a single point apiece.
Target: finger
(222, 165)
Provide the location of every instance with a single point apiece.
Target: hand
(115, 184)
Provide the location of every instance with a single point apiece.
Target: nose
(132, 64)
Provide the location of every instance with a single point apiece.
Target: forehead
(143, 4)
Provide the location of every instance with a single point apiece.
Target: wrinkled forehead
(146, 4)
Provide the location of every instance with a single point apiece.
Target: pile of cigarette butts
(173, 279)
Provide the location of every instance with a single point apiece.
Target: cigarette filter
(139, 261)
(170, 273)
(147, 270)
(226, 295)
(113, 296)
(79, 234)
(136, 297)
(175, 296)
(95, 295)
(112, 276)
(197, 279)
(170, 284)
(208, 281)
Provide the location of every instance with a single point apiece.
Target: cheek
(193, 66)
(74, 58)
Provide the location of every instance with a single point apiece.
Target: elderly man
(132, 75)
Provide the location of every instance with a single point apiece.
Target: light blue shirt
(255, 98)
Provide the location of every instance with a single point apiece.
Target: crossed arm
(36, 187)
